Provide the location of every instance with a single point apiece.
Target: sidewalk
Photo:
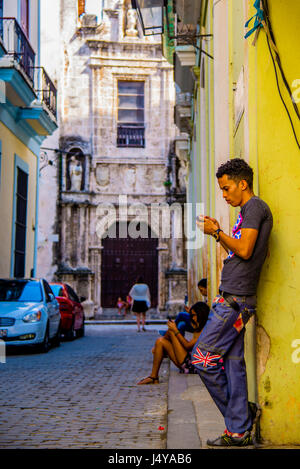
(192, 415)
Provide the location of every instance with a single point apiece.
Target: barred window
(131, 121)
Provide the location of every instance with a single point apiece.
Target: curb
(192, 415)
(182, 423)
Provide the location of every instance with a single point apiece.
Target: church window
(131, 114)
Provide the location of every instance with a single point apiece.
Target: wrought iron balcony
(131, 135)
(45, 89)
(17, 45)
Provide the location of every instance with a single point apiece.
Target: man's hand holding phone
(207, 224)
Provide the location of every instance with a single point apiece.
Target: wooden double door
(123, 261)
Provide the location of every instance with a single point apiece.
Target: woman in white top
(140, 295)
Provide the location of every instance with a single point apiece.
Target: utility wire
(272, 38)
(269, 27)
(281, 97)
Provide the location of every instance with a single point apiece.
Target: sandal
(153, 380)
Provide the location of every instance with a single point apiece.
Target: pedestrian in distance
(218, 355)
(121, 306)
(174, 345)
(128, 304)
(141, 302)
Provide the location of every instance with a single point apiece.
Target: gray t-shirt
(240, 276)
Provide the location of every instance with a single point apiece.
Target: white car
(29, 313)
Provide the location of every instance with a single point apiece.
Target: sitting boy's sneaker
(226, 439)
(184, 369)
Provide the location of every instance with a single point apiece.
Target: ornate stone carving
(131, 30)
(130, 179)
(75, 173)
(182, 174)
(102, 175)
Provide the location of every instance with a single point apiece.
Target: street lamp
(151, 15)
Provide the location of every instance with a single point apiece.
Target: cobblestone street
(83, 394)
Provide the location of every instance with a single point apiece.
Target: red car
(71, 310)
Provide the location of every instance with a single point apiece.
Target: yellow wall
(11, 145)
(274, 153)
(265, 139)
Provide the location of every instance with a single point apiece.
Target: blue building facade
(27, 117)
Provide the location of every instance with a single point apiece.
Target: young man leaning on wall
(219, 353)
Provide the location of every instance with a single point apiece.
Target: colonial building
(113, 152)
(27, 116)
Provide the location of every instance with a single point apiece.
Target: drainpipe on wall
(33, 274)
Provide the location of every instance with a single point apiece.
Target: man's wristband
(176, 333)
(216, 234)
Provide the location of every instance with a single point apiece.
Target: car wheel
(70, 334)
(80, 332)
(45, 345)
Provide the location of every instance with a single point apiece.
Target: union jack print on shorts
(204, 360)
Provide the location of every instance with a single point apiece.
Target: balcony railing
(131, 136)
(45, 89)
(17, 45)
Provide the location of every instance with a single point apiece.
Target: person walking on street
(219, 353)
(140, 295)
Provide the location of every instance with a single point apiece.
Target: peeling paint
(267, 384)
(263, 345)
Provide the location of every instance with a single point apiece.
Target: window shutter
(25, 16)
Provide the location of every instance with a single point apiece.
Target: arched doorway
(123, 260)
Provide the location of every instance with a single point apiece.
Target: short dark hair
(202, 283)
(202, 311)
(237, 169)
(140, 279)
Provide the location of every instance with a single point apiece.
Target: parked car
(71, 310)
(29, 313)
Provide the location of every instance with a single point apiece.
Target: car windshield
(57, 290)
(21, 291)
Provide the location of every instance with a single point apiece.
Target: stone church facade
(115, 164)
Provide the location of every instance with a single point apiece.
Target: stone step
(112, 314)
